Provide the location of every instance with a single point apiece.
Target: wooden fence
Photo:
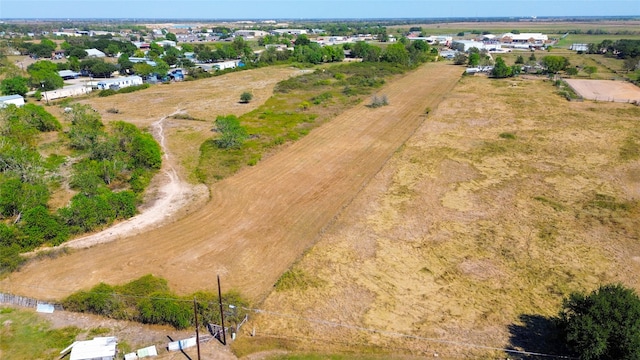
(23, 301)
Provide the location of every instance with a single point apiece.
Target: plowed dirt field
(261, 220)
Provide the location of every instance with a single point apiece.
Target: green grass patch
(554, 204)
(297, 279)
(607, 202)
(630, 149)
(24, 335)
(507, 135)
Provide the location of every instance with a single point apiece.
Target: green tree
(602, 325)
(590, 70)
(555, 63)
(396, 53)
(474, 59)
(246, 97)
(500, 69)
(171, 36)
(44, 74)
(302, 40)
(232, 134)
(460, 58)
(16, 85)
(39, 118)
(520, 59)
(86, 127)
(40, 227)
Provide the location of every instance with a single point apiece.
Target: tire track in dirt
(262, 219)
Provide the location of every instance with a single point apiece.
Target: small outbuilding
(16, 100)
(95, 53)
(68, 74)
(100, 348)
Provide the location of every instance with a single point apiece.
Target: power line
(341, 325)
(408, 336)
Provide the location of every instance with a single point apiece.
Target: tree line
(108, 170)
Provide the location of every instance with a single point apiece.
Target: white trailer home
(16, 100)
(226, 65)
(118, 83)
(67, 91)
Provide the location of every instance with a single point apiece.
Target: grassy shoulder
(24, 335)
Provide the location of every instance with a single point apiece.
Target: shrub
(506, 135)
(232, 134)
(101, 300)
(165, 308)
(378, 101)
(246, 97)
(107, 92)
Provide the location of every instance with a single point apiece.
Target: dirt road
(262, 219)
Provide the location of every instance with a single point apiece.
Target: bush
(107, 92)
(149, 300)
(378, 101)
(101, 300)
(246, 97)
(165, 308)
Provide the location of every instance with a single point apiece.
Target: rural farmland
(384, 204)
(261, 220)
(502, 203)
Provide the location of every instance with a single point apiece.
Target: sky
(310, 9)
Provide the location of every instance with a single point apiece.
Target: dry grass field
(260, 220)
(506, 199)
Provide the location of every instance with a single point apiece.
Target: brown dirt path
(264, 218)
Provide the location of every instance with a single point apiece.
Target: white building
(290, 31)
(95, 53)
(162, 43)
(16, 100)
(67, 91)
(118, 83)
(527, 38)
(250, 34)
(100, 348)
(225, 65)
(468, 44)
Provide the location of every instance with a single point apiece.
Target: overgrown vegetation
(149, 300)
(125, 90)
(298, 105)
(566, 91)
(108, 171)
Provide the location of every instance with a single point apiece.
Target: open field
(262, 219)
(603, 90)
(551, 27)
(505, 200)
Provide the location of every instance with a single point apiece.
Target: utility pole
(224, 337)
(195, 313)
